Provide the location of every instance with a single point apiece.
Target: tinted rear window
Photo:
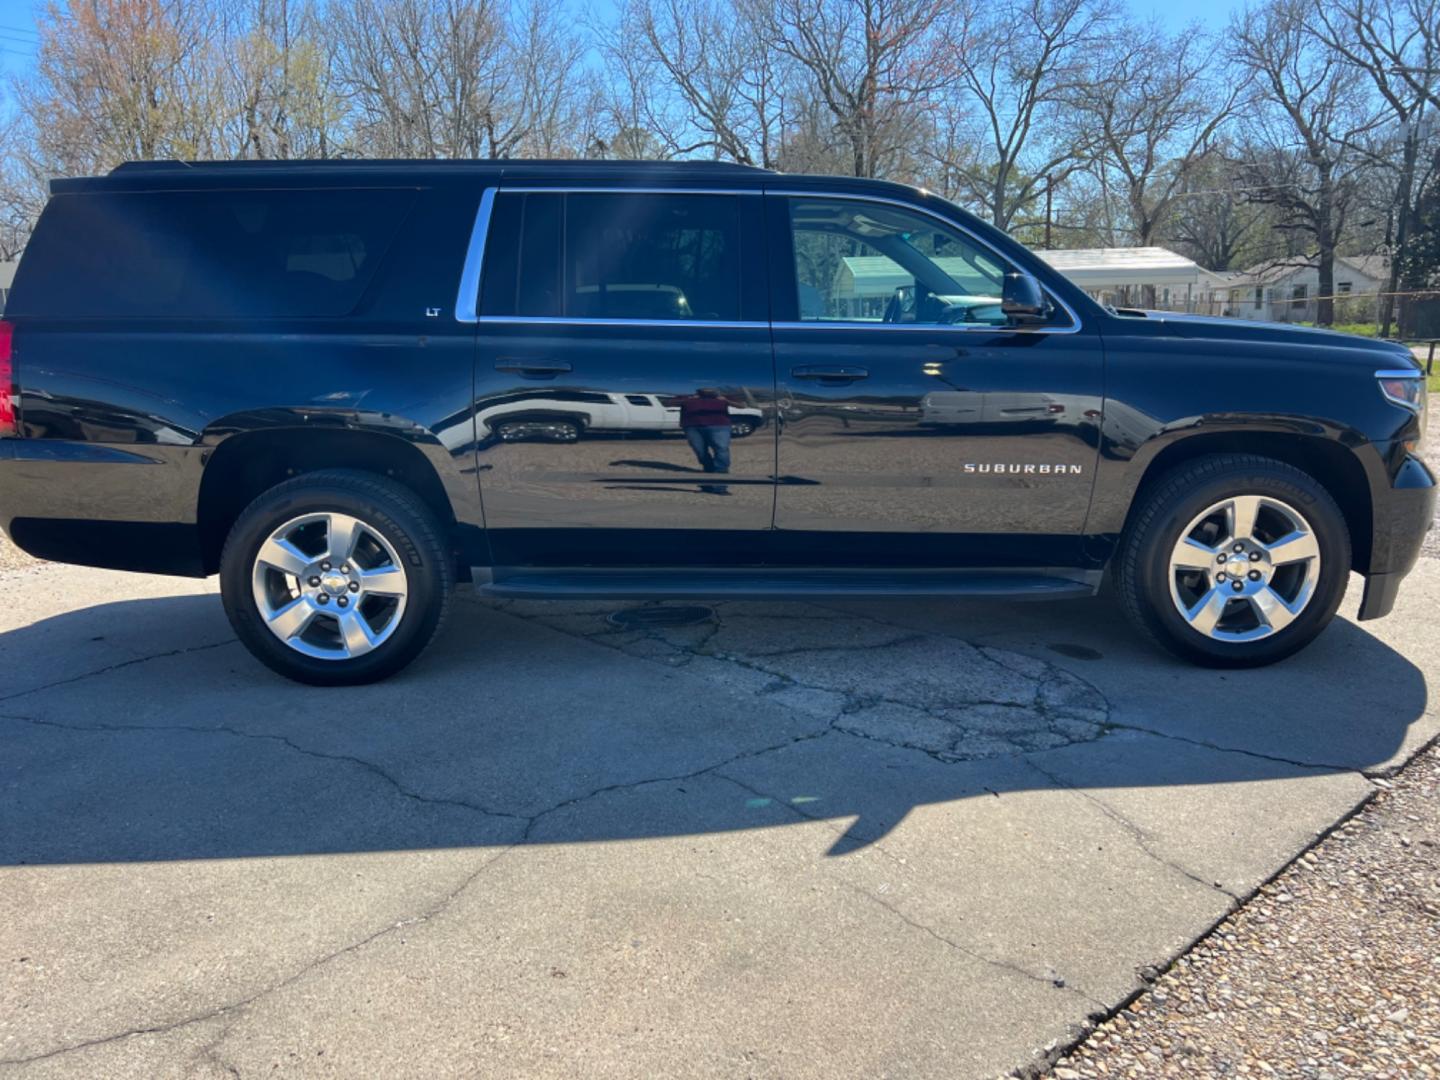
(211, 254)
(622, 256)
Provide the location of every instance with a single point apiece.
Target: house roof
(1097, 268)
(877, 275)
(1089, 268)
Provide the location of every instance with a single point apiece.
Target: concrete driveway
(868, 839)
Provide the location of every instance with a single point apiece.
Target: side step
(776, 583)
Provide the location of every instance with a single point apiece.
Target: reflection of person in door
(705, 419)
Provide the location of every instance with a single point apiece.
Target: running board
(773, 583)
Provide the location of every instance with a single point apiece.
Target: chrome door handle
(840, 372)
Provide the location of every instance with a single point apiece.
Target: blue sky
(17, 23)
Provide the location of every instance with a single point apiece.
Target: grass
(1361, 329)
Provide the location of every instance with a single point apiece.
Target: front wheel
(336, 577)
(1234, 561)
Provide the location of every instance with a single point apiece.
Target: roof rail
(502, 163)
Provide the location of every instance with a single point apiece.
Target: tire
(1174, 553)
(371, 622)
(740, 428)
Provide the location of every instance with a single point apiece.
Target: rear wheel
(336, 577)
(1234, 561)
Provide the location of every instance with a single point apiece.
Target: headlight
(1406, 389)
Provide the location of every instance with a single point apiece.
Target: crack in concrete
(744, 755)
(284, 740)
(1319, 766)
(1052, 980)
(239, 1005)
(117, 667)
(1135, 832)
(782, 682)
(426, 916)
(1054, 723)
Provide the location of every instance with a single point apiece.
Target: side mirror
(1022, 300)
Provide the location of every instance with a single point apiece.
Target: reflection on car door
(918, 426)
(601, 312)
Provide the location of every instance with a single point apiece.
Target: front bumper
(1402, 516)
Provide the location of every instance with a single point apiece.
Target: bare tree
(116, 80)
(727, 87)
(1214, 223)
(553, 103)
(1017, 64)
(278, 81)
(20, 198)
(1155, 115)
(1397, 47)
(1303, 129)
(874, 65)
(456, 78)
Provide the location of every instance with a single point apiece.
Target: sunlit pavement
(901, 838)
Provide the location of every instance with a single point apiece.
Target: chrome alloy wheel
(1244, 568)
(329, 586)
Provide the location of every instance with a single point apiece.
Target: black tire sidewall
(1152, 564)
(400, 522)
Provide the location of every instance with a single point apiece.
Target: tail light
(7, 379)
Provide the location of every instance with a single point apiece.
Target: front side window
(640, 257)
(858, 261)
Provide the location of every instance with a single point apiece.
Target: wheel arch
(247, 463)
(1333, 464)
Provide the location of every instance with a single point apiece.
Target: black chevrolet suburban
(345, 386)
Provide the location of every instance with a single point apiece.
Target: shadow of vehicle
(509, 726)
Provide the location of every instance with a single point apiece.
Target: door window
(616, 256)
(858, 261)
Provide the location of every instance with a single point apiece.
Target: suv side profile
(347, 386)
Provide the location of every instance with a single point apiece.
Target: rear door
(601, 310)
(919, 425)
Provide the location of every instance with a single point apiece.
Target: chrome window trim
(468, 298)
(540, 320)
(591, 189)
(1076, 325)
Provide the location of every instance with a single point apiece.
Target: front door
(620, 333)
(919, 426)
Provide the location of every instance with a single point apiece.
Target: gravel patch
(12, 558)
(1332, 970)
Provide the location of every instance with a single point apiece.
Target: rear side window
(615, 256)
(211, 254)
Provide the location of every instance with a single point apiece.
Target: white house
(1121, 276)
(7, 275)
(864, 283)
(1285, 290)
